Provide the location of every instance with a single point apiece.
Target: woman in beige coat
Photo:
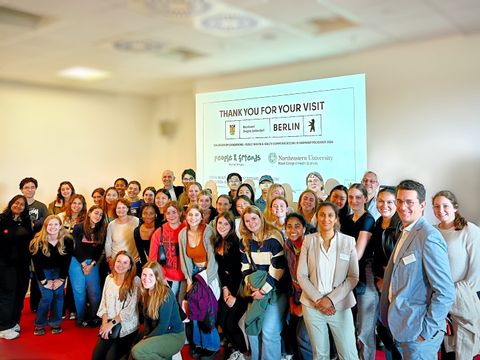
(327, 273)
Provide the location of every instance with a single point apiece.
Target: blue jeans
(83, 286)
(50, 301)
(271, 330)
(426, 350)
(367, 314)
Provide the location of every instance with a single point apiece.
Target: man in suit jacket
(418, 290)
(168, 178)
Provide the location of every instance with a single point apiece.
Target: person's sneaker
(39, 331)
(235, 355)
(9, 334)
(16, 328)
(56, 330)
(72, 316)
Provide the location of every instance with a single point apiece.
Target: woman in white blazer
(327, 273)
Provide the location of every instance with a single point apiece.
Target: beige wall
(85, 137)
(422, 123)
(423, 109)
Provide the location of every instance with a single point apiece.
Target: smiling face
(294, 229)
(17, 207)
(121, 186)
(252, 222)
(193, 192)
(370, 181)
(148, 215)
(187, 179)
(66, 191)
(444, 210)
(326, 219)
(149, 197)
(111, 196)
(133, 191)
(244, 190)
(223, 226)
(314, 184)
(148, 279)
(28, 190)
(76, 206)
(53, 227)
(194, 218)
(95, 216)
(409, 208)
(204, 202)
(122, 264)
(386, 204)
(279, 208)
(172, 215)
(234, 183)
(97, 198)
(161, 200)
(223, 205)
(339, 198)
(168, 178)
(356, 200)
(241, 205)
(308, 202)
(121, 210)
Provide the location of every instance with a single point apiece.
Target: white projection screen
(284, 130)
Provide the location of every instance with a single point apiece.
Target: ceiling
(152, 46)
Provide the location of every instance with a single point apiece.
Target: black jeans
(8, 282)
(228, 319)
(114, 349)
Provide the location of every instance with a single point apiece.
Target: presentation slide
(283, 130)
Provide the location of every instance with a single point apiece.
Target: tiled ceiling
(153, 46)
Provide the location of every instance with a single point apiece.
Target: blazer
(421, 285)
(345, 277)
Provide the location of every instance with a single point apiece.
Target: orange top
(198, 254)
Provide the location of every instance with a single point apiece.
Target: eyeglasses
(408, 203)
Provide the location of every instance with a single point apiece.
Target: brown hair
(129, 281)
(459, 222)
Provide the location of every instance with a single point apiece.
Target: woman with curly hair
(64, 193)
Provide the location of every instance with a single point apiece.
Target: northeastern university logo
(272, 157)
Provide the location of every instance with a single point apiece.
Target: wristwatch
(114, 322)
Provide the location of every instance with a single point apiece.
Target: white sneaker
(9, 334)
(235, 355)
(16, 328)
(287, 357)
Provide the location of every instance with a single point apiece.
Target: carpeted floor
(73, 343)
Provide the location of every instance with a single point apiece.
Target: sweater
(120, 237)
(54, 261)
(168, 318)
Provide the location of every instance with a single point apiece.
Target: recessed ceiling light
(229, 22)
(83, 73)
(179, 8)
(138, 46)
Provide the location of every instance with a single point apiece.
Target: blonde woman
(51, 250)
(163, 334)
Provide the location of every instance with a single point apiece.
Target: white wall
(422, 122)
(423, 109)
(85, 137)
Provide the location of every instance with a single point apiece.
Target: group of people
(325, 278)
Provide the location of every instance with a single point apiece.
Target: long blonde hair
(267, 230)
(153, 298)
(128, 283)
(270, 198)
(40, 240)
